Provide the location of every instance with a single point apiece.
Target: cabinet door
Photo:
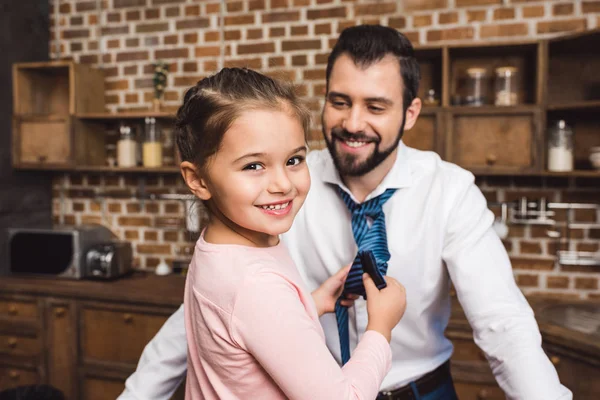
(424, 135)
(12, 377)
(117, 335)
(42, 142)
(100, 388)
(62, 353)
(494, 141)
(579, 375)
(478, 391)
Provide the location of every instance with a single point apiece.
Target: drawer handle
(14, 375)
(128, 318)
(13, 310)
(491, 159)
(12, 343)
(60, 312)
(42, 158)
(482, 395)
(555, 360)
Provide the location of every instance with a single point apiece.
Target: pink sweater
(253, 332)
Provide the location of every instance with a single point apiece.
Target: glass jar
(126, 148)
(477, 87)
(560, 147)
(152, 147)
(507, 91)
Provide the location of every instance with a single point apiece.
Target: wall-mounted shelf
(581, 105)
(125, 116)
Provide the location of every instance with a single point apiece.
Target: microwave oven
(75, 252)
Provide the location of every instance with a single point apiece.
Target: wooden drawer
(20, 346)
(11, 377)
(578, 373)
(96, 388)
(477, 391)
(118, 336)
(18, 309)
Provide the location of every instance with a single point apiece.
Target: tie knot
(371, 208)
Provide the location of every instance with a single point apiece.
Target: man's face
(363, 114)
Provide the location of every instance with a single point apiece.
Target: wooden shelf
(129, 115)
(496, 110)
(101, 168)
(581, 105)
(570, 174)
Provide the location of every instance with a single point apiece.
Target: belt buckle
(387, 395)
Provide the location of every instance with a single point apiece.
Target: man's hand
(327, 294)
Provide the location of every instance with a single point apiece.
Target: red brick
(132, 56)
(590, 7)
(76, 20)
(132, 42)
(234, 6)
(256, 5)
(254, 34)
(276, 62)
(161, 2)
(115, 30)
(418, 5)
(233, 35)
(527, 280)
(299, 30)
(374, 9)
(82, 6)
(586, 283)
(277, 32)
(131, 98)
(279, 4)
(563, 9)
(129, 3)
(557, 282)
(591, 247)
(504, 13)
(299, 61)
(282, 16)
(422, 20)
(171, 39)
(133, 15)
(533, 11)
(265, 47)
(397, 22)
(468, 3)
(197, 23)
(152, 13)
(323, 29)
(133, 221)
(501, 30)
(585, 216)
(190, 38)
(172, 12)
(239, 20)
(146, 28)
(212, 36)
(450, 34)
(253, 63)
(533, 264)
(213, 8)
(561, 26)
(192, 11)
(151, 236)
(75, 33)
(171, 53)
(314, 74)
(334, 12)
(76, 46)
(172, 236)
(113, 17)
(291, 45)
(321, 58)
(153, 249)
(448, 18)
(530, 247)
(117, 85)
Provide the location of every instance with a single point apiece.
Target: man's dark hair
(368, 44)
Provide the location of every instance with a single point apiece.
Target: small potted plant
(161, 69)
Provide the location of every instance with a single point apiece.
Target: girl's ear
(193, 179)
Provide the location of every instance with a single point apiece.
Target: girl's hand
(327, 294)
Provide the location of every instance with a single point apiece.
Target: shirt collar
(400, 175)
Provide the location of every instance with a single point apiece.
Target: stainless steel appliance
(63, 252)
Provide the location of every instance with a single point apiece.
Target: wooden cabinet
(46, 99)
(578, 372)
(82, 337)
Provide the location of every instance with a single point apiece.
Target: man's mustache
(342, 134)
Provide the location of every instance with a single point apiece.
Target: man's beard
(347, 164)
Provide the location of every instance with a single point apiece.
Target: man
(437, 225)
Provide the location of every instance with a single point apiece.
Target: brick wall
(291, 39)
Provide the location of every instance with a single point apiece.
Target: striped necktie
(368, 236)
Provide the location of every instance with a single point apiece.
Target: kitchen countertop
(574, 324)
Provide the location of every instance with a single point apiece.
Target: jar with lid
(560, 147)
(126, 147)
(477, 87)
(507, 90)
(152, 147)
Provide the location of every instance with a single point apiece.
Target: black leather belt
(425, 385)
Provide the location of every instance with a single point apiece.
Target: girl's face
(258, 179)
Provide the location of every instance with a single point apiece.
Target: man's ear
(193, 179)
(412, 113)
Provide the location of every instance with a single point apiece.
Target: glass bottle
(126, 148)
(152, 147)
(477, 87)
(560, 147)
(507, 91)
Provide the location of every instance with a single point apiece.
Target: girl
(252, 327)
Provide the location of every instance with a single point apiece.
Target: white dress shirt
(438, 229)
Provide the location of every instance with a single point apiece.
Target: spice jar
(477, 87)
(507, 91)
(152, 147)
(560, 147)
(126, 148)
